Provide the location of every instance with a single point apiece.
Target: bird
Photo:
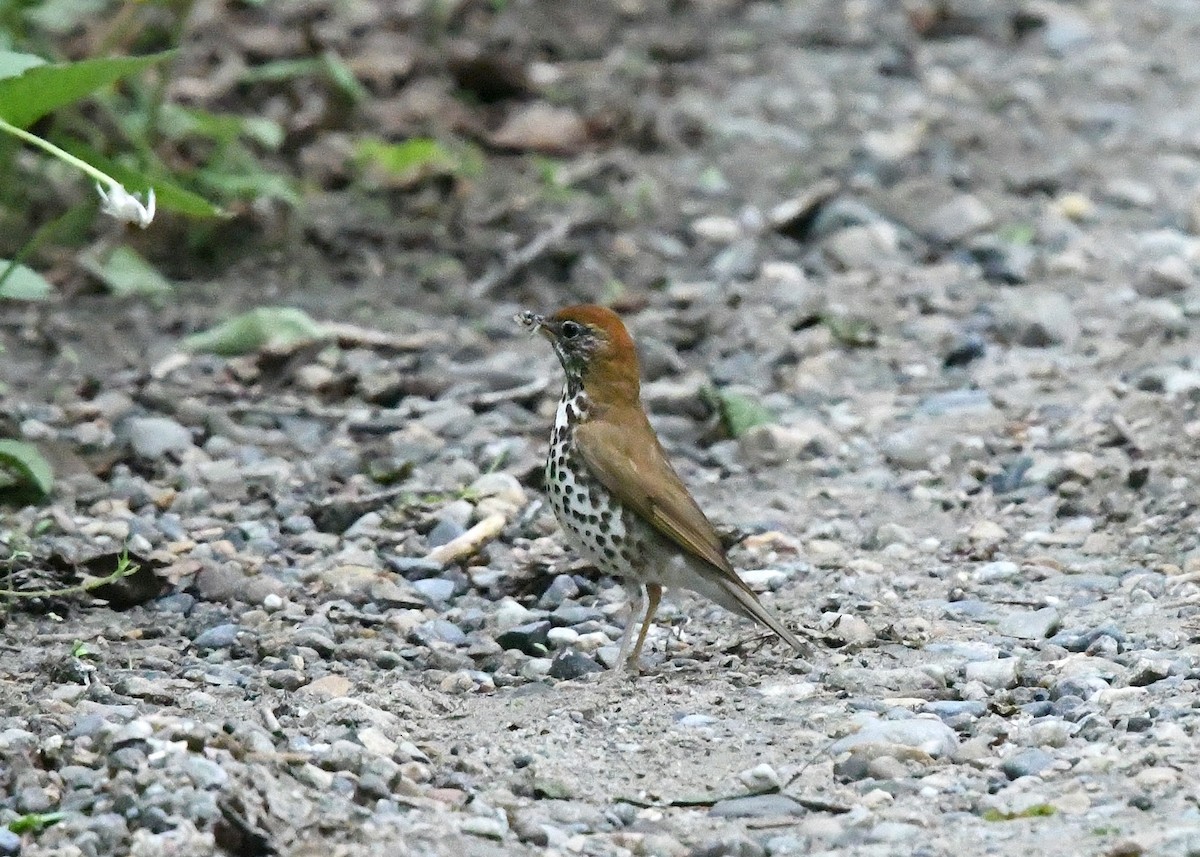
(616, 496)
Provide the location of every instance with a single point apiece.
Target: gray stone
(532, 638)
(999, 674)
(438, 631)
(445, 530)
(1026, 763)
(1003, 261)
(297, 524)
(569, 664)
(962, 216)
(315, 639)
(412, 566)
(956, 714)
(500, 485)
(1035, 319)
(1029, 624)
(756, 806)
(436, 589)
(156, 437)
(1075, 640)
(993, 572)
(218, 637)
(694, 721)
(1166, 276)
(729, 845)
(1153, 320)
(1148, 671)
(205, 773)
(561, 588)
(932, 736)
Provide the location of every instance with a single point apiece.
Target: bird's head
(593, 347)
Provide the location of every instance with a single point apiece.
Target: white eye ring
(570, 329)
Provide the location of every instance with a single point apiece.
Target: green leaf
(265, 327)
(413, 161)
(41, 89)
(35, 822)
(281, 70)
(343, 78)
(253, 184)
(125, 272)
(13, 64)
(178, 122)
(1021, 234)
(738, 413)
(23, 284)
(851, 331)
(28, 472)
(1038, 810)
(168, 195)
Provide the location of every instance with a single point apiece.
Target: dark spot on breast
(562, 476)
(601, 539)
(610, 554)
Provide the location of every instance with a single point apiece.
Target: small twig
(366, 337)
(512, 394)
(522, 258)
(378, 498)
(469, 542)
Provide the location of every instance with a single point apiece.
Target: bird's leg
(653, 594)
(635, 610)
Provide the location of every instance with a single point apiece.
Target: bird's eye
(570, 329)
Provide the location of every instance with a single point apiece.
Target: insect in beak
(532, 322)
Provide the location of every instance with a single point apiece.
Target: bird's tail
(734, 595)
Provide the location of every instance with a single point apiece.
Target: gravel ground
(952, 247)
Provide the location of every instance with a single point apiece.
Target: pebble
(532, 638)
(932, 736)
(999, 674)
(445, 531)
(761, 778)
(218, 637)
(1029, 624)
(570, 664)
(438, 631)
(763, 579)
(757, 806)
(509, 614)
(437, 590)
(1026, 763)
(1035, 319)
(154, 438)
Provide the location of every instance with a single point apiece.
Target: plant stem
(50, 148)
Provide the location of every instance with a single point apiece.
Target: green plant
(35, 822)
(1038, 810)
(125, 568)
(24, 473)
(110, 117)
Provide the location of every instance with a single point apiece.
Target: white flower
(124, 206)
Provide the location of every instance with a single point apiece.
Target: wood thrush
(614, 492)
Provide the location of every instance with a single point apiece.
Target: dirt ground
(951, 248)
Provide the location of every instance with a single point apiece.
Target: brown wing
(626, 457)
(631, 464)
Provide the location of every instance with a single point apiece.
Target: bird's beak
(533, 323)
